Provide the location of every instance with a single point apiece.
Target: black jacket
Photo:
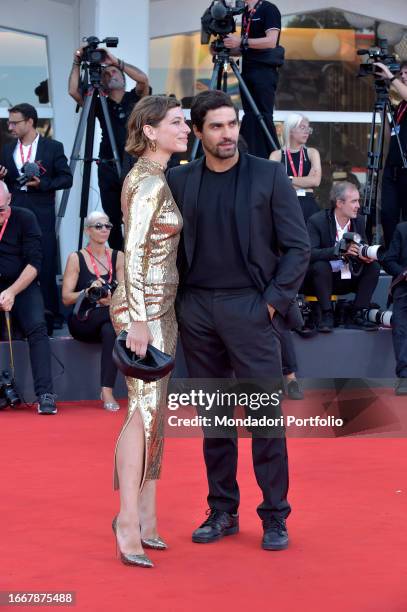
(395, 259)
(269, 221)
(322, 233)
(57, 174)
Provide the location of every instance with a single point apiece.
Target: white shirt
(26, 150)
(340, 231)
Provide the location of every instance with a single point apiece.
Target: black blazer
(270, 226)
(57, 174)
(395, 259)
(322, 232)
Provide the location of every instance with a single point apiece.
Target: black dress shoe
(326, 323)
(217, 525)
(275, 534)
(294, 390)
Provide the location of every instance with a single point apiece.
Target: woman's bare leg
(147, 510)
(130, 465)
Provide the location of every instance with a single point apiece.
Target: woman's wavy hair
(150, 110)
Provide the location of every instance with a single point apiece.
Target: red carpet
(348, 525)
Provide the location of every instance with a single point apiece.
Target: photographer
(120, 104)
(88, 272)
(20, 263)
(330, 272)
(395, 263)
(394, 182)
(47, 159)
(261, 25)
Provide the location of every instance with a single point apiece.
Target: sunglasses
(99, 226)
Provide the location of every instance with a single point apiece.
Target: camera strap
(401, 110)
(247, 22)
(94, 265)
(10, 344)
(291, 161)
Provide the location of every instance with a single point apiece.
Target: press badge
(301, 193)
(395, 130)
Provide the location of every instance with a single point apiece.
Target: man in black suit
(329, 271)
(242, 257)
(38, 194)
(395, 263)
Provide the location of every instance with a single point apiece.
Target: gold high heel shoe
(111, 406)
(129, 558)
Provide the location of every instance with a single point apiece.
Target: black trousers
(394, 200)
(45, 214)
(261, 82)
(226, 332)
(98, 328)
(28, 313)
(110, 192)
(288, 356)
(323, 282)
(399, 329)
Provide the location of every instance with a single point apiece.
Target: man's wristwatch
(392, 79)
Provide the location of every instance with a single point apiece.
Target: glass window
(23, 69)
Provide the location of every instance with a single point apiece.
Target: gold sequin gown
(148, 294)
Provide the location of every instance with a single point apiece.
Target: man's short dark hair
(27, 111)
(207, 101)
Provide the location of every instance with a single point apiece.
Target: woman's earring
(153, 145)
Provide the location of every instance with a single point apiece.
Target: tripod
(87, 125)
(221, 62)
(384, 109)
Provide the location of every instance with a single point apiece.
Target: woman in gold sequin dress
(144, 306)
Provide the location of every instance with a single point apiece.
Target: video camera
(91, 54)
(218, 19)
(378, 54)
(8, 393)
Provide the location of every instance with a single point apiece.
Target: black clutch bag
(153, 366)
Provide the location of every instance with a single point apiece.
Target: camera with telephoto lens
(218, 19)
(378, 54)
(96, 293)
(374, 252)
(8, 393)
(29, 170)
(383, 318)
(91, 54)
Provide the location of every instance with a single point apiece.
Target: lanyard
(23, 161)
(248, 22)
(401, 109)
(301, 166)
(96, 269)
(3, 229)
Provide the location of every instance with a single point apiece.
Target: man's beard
(216, 151)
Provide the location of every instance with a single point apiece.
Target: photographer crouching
(338, 263)
(90, 278)
(395, 263)
(20, 294)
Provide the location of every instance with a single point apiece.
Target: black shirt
(20, 245)
(266, 17)
(394, 157)
(119, 113)
(218, 261)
